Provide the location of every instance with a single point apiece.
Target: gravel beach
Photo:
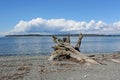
(37, 67)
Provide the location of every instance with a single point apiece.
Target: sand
(37, 67)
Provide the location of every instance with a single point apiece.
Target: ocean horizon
(42, 45)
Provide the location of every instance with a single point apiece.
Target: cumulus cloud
(40, 25)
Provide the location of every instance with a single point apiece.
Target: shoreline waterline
(3, 55)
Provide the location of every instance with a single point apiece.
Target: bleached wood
(63, 47)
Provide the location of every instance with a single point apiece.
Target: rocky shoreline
(37, 67)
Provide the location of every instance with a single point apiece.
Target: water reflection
(33, 45)
(42, 45)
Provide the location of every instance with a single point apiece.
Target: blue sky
(92, 12)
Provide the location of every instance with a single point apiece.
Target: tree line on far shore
(89, 35)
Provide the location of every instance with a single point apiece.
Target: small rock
(85, 76)
(103, 69)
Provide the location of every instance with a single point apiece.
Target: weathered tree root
(64, 50)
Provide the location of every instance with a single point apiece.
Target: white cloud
(116, 25)
(3, 33)
(40, 25)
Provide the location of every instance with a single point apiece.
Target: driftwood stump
(64, 50)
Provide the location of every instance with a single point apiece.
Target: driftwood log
(64, 50)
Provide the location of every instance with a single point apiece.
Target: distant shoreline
(49, 35)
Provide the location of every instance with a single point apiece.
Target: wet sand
(37, 67)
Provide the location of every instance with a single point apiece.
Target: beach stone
(85, 76)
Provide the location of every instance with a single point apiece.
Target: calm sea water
(42, 45)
